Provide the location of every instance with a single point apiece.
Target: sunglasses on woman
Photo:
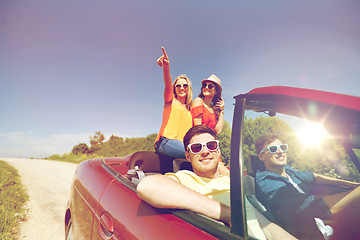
(275, 148)
(209, 85)
(182, 85)
(212, 145)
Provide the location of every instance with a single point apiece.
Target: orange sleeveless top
(208, 118)
(176, 121)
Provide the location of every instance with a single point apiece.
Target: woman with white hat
(177, 119)
(208, 108)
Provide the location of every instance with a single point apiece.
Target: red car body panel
(135, 219)
(129, 217)
(86, 193)
(336, 99)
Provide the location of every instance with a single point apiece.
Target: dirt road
(48, 185)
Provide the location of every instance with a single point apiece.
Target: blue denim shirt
(286, 203)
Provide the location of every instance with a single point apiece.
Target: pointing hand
(164, 59)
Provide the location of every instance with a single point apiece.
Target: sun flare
(312, 134)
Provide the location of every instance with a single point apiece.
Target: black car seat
(181, 164)
(252, 165)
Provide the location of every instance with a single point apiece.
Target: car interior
(145, 163)
(142, 164)
(152, 163)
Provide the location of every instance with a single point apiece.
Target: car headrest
(147, 161)
(253, 164)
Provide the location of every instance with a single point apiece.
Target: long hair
(214, 100)
(189, 93)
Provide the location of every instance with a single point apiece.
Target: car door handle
(106, 226)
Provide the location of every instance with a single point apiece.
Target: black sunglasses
(209, 85)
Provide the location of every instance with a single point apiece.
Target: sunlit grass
(73, 158)
(13, 197)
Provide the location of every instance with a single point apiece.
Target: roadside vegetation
(310, 160)
(13, 197)
(121, 147)
(99, 148)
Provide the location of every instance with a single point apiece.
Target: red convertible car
(321, 128)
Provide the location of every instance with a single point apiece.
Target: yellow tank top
(176, 121)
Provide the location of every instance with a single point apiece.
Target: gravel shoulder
(48, 185)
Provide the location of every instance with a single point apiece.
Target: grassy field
(13, 197)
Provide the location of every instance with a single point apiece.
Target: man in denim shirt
(286, 193)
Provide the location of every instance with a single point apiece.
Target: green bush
(114, 147)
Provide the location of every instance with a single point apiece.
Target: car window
(310, 148)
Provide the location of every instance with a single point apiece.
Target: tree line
(115, 146)
(334, 163)
(120, 147)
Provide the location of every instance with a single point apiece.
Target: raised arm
(165, 192)
(164, 62)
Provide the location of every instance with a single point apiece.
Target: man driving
(287, 194)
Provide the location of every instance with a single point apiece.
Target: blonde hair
(189, 93)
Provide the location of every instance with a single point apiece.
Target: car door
(90, 182)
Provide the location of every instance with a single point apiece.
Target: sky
(69, 68)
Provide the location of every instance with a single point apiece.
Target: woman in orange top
(208, 108)
(177, 118)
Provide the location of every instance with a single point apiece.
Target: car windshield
(310, 147)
